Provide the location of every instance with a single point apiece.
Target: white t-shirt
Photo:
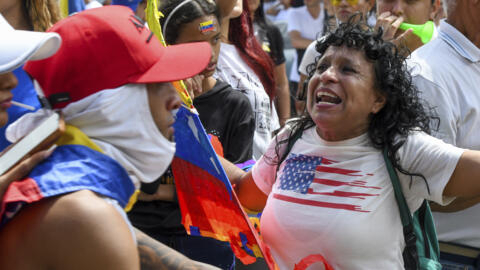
(299, 19)
(308, 58)
(447, 73)
(336, 199)
(233, 70)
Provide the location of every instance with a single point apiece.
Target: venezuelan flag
(68, 7)
(208, 203)
(76, 164)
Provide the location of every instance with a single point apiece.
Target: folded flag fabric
(74, 165)
(68, 7)
(208, 203)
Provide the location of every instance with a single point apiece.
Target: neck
(17, 17)
(314, 10)
(208, 83)
(460, 18)
(333, 135)
(466, 27)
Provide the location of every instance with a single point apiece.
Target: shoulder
(78, 230)
(432, 61)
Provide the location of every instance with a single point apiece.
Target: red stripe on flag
(349, 207)
(338, 193)
(336, 183)
(337, 171)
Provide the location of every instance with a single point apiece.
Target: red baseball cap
(104, 48)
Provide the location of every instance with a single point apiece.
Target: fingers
(194, 85)
(24, 167)
(389, 23)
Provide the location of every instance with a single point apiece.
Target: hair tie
(171, 13)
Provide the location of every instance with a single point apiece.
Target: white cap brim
(17, 46)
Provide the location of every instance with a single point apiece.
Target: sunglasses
(350, 2)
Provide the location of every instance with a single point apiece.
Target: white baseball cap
(18, 46)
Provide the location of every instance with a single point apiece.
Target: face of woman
(345, 8)
(8, 81)
(253, 5)
(341, 94)
(205, 28)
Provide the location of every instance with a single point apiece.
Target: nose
(397, 8)
(8, 81)
(329, 75)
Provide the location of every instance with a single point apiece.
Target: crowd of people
(319, 126)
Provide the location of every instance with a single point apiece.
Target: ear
(379, 103)
(434, 9)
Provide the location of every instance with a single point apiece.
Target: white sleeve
(293, 20)
(437, 97)
(308, 58)
(432, 158)
(264, 171)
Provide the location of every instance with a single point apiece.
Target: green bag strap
(410, 254)
(402, 203)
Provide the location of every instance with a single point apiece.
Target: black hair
(403, 111)
(185, 14)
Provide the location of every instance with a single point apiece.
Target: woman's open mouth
(327, 98)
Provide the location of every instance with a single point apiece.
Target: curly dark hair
(403, 111)
(185, 14)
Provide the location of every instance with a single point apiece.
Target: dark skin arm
(157, 256)
(457, 205)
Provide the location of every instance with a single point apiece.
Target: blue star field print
(299, 172)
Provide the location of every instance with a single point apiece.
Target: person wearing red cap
(110, 80)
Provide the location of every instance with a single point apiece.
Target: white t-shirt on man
(447, 73)
(335, 199)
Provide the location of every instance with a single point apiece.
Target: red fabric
(311, 259)
(104, 48)
(217, 145)
(26, 190)
(206, 204)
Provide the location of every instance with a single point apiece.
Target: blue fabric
(23, 93)
(75, 6)
(457, 262)
(133, 4)
(194, 146)
(76, 167)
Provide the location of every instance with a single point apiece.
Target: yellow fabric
(64, 8)
(73, 135)
(153, 20)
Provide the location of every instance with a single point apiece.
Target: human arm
(464, 181)
(20, 170)
(155, 255)
(457, 205)
(248, 193)
(298, 42)
(283, 93)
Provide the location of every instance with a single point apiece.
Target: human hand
(22, 169)
(194, 85)
(390, 25)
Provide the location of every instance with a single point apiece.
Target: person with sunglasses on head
(342, 9)
(392, 13)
